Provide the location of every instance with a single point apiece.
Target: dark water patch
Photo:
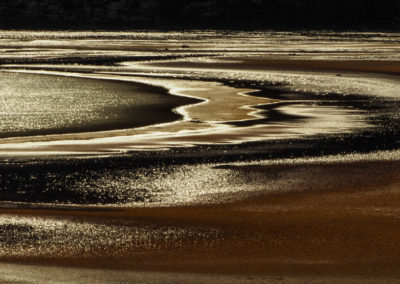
(71, 184)
(111, 180)
(270, 114)
(380, 112)
(14, 234)
(102, 60)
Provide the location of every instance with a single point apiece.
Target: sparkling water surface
(312, 104)
(38, 104)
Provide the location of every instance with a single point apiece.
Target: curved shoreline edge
(318, 208)
(203, 123)
(162, 113)
(202, 116)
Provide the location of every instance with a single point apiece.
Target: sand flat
(338, 220)
(292, 221)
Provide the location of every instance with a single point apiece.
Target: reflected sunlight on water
(39, 104)
(97, 89)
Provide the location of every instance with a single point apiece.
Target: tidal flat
(201, 156)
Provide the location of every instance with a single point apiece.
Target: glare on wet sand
(242, 154)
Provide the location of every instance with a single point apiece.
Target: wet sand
(200, 118)
(294, 63)
(302, 222)
(205, 122)
(49, 274)
(337, 220)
